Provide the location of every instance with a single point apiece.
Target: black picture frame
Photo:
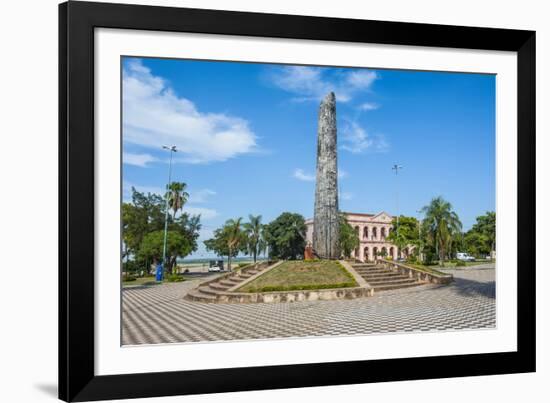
(77, 21)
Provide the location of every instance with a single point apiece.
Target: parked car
(215, 266)
(465, 257)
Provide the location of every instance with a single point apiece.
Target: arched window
(366, 233)
(384, 251)
(374, 233)
(357, 229)
(366, 253)
(374, 253)
(392, 252)
(383, 233)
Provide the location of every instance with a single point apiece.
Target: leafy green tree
(228, 240)
(348, 238)
(177, 197)
(285, 236)
(218, 244)
(441, 225)
(177, 244)
(486, 227)
(189, 226)
(477, 244)
(408, 233)
(235, 237)
(143, 215)
(255, 243)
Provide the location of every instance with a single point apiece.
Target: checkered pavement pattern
(159, 314)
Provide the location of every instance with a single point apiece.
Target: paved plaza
(159, 314)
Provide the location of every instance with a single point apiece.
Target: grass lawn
(140, 281)
(302, 275)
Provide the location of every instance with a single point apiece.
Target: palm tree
(442, 225)
(177, 196)
(254, 236)
(233, 236)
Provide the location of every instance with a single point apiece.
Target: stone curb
(328, 294)
(255, 276)
(416, 273)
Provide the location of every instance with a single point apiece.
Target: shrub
(242, 265)
(304, 287)
(460, 263)
(174, 278)
(127, 278)
(131, 266)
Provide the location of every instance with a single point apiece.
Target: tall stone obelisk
(325, 218)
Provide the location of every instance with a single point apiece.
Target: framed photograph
(257, 201)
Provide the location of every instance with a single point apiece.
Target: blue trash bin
(159, 272)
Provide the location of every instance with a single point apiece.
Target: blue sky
(247, 137)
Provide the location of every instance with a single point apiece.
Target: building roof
(361, 214)
(347, 213)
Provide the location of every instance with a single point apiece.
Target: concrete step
(398, 281)
(209, 291)
(371, 269)
(197, 295)
(365, 272)
(219, 287)
(387, 287)
(377, 275)
(387, 280)
(229, 282)
(360, 265)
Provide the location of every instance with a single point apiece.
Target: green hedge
(303, 287)
(174, 278)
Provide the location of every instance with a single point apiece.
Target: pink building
(373, 230)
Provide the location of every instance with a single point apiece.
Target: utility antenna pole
(396, 168)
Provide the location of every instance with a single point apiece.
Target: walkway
(159, 314)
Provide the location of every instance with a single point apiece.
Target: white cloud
(205, 213)
(342, 174)
(368, 106)
(346, 196)
(140, 160)
(200, 196)
(154, 116)
(303, 176)
(313, 84)
(356, 140)
(361, 79)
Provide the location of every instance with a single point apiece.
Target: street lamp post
(419, 235)
(172, 150)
